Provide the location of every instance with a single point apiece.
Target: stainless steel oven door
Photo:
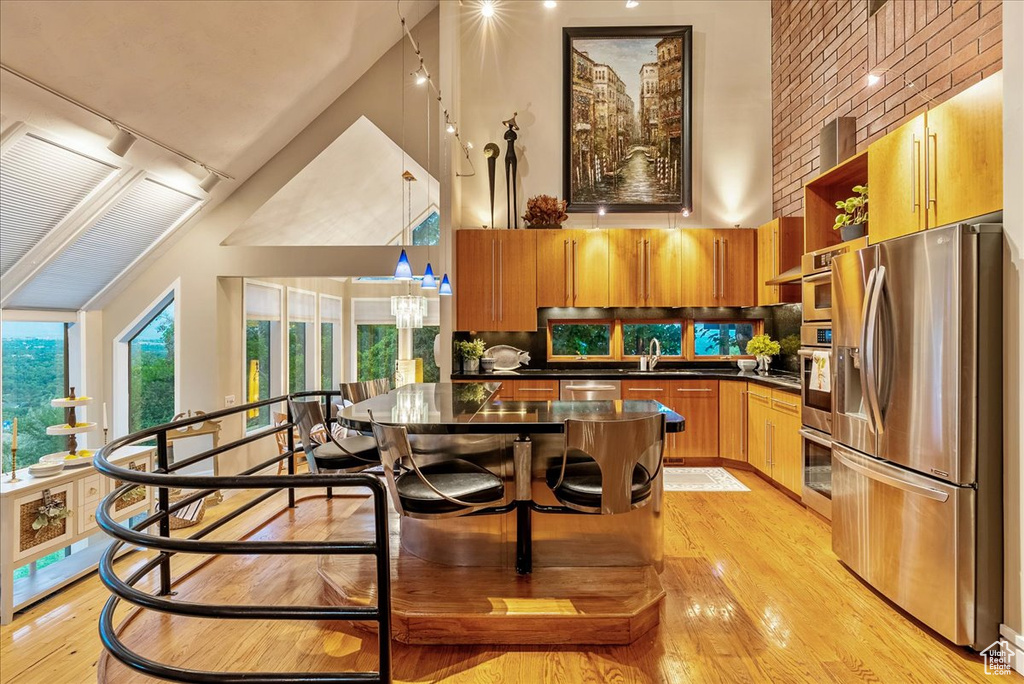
(817, 454)
(817, 296)
(815, 405)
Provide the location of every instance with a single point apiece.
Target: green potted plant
(470, 352)
(763, 348)
(851, 222)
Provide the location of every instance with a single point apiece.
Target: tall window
(33, 374)
(301, 340)
(377, 350)
(151, 371)
(330, 342)
(262, 349)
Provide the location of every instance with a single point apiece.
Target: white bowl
(45, 469)
(747, 365)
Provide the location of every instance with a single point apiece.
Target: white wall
(513, 62)
(1013, 307)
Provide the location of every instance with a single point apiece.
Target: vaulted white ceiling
(228, 82)
(351, 194)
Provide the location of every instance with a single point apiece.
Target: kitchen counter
(785, 381)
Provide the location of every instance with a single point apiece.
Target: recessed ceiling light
(550, 4)
(487, 8)
(873, 79)
(630, 4)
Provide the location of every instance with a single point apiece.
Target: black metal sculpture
(491, 152)
(510, 175)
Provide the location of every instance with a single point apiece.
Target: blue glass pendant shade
(403, 270)
(446, 287)
(429, 281)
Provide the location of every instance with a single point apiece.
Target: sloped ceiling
(229, 82)
(350, 194)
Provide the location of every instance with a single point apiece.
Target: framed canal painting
(627, 143)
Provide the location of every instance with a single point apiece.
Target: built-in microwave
(816, 268)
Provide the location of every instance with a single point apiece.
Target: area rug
(701, 480)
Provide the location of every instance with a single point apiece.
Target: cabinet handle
(714, 271)
(535, 389)
(929, 169)
(772, 442)
(915, 153)
(743, 425)
(725, 257)
(767, 446)
(645, 389)
(784, 403)
(639, 270)
(575, 272)
(565, 254)
(647, 261)
(775, 254)
(702, 389)
(494, 275)
(501, 281)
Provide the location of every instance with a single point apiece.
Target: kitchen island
(492, 578)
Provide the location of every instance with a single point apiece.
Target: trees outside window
(258, 366)
(377, 350)
(721, 338)
(151, 372)
(636, 338)
(33, 374)
(581, 339)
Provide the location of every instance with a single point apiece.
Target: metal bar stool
(323, 450)
(608, 467)
(448, 488)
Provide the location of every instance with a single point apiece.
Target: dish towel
(821, 372)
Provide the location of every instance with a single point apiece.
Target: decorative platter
(507, 358)
(66, 429)
(81, 458)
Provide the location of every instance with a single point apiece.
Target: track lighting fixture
(450, 128)
(630, 4)
(550, 4)
(487, 8)
(210, 182)
(122, 142)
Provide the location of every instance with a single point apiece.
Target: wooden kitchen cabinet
(773, 430)
(643, 268)
(943, 166)
(496, 281)
(718, 267)
(779, 248)
(572, 268)
(732, 420)
(535, 390)
(759, 404)
(697, 402)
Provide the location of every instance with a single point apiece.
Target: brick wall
(823, 50)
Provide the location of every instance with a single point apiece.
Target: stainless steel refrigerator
(917, 425)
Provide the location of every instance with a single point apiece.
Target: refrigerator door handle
(868, 353)
(869, 289)
(929, 492)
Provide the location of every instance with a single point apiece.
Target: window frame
(614, 339)
(691, 340)
(152, 314)
(337, 348)
(371, 311)
(618, 351)
(122, 360)
(278, 345)
(311, 354)
(682, 356)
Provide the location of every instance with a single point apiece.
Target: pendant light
(429, 281)
(403, 270)
(445, 290)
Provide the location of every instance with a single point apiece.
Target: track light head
(122, 142)
(210, 182)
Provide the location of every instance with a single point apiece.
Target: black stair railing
(164, 479)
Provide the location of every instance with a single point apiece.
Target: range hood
(792, 275)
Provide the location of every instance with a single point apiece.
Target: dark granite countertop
(445, 408)
(784, 381)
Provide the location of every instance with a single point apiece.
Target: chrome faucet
(652, 356)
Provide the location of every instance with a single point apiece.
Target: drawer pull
(535, 389)
(703, 389)
(784, 403)
(645, 389)
(590, 388)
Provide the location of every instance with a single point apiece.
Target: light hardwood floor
(754, 594)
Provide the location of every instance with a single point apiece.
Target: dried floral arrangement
(545, 211)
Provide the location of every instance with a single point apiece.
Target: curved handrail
(163, 478)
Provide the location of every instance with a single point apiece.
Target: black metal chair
(447, 488)
(608, 467)
(323, 450)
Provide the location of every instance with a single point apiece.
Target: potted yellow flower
(763, 348)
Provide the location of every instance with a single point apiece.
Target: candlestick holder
(14, 465)
(104, 436)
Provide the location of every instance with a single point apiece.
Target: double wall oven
(816, 392)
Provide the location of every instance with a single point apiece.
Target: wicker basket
(29, 538)
(177, 523)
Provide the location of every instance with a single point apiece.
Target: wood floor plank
(753, 594)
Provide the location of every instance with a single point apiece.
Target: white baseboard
(1017, 642)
